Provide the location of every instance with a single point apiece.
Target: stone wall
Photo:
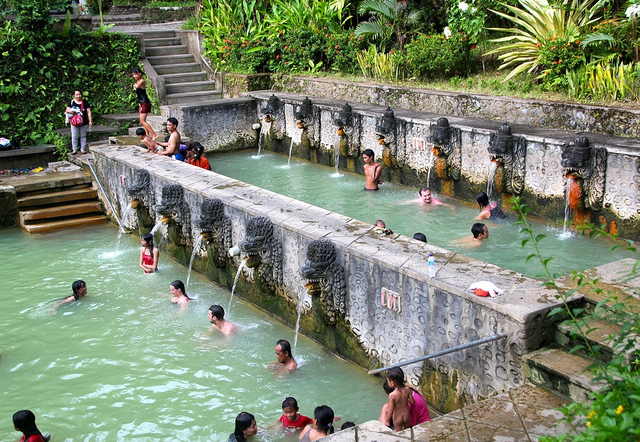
(228, 125)
(8, 206)
(361, 295)
(537, 113)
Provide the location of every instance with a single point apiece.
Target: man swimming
(284, 356)
(216, 317)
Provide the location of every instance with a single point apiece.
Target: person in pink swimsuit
(148, 254)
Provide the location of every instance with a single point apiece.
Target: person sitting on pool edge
(79, 289)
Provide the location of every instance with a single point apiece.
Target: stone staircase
(127, 17)
(185, 81)
(569, 374)
(67, 201)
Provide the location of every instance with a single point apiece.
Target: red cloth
(299, 423)
(34, 438)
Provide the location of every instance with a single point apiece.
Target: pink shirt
(419, 412)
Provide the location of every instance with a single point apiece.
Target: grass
(172, 4)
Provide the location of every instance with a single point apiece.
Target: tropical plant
(539, 22)
(317, 15)
(606, 80)
(466, 19)
(378, 65)
(434, 56)
(390, 20)
(614, 412)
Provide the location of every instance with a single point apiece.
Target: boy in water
(291, 419)
(372, 171)
(399, 399)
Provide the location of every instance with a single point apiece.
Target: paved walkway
(522, 414)
(134, 29)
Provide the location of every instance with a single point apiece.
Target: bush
(40, 71)
(557, 57)
(294, 51)
(242, 55)
(341, 50)
(435, 57)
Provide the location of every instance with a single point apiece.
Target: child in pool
(25, 422)
(79, 288)
(291, 419)
(399, 399)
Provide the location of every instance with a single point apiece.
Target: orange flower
(278, 56)
(553, 48)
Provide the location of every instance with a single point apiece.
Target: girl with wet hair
(144, 107)
(488, 209)
(179, 293)
(195, 155)
(148, 254)
(322, 424)
(25, 422)
(245, 428)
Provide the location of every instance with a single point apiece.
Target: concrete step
(183, 78)
(99, 129)
(27, 216)
(161, 51)
(193, 86)
(47, 199)
(158, 34)
(599, 333)
(562, 372)
(122, 118)
(171, 60)
(165, 41)
(177, 68)
(194, 97)
(96, 25)
(42, 182)
(65, 224)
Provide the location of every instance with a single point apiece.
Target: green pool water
(125, 364)
(443, 226)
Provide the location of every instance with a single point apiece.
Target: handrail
(439, 353)
(106, 197)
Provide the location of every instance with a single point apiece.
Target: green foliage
(378, 65)
(192, 23)
(466, 19)
(435, 56)
(390, 23)
(537, 22)
(294, 51)
(614, 413)
(604, 80)
(99, 7)
(243, 55)
(39, 72)
(557, 57)
(33, 15)
(341, 50)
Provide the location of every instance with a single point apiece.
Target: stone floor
(522, 414)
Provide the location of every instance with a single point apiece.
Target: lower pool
(126, 364)
(444, 226)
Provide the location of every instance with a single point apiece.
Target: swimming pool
(126, 364)
(443, 226)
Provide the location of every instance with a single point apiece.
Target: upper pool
(125, 364)
(443, 226)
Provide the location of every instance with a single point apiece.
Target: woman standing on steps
(79, 105)
(143, 99)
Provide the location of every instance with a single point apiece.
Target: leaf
(76, 53)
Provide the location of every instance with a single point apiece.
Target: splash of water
(567, 210)
(263, 126)
(430, 165)
(300, 306)
(337, 155)
(196, 248)
(491, 179)
(159, 225)
(125, 215)
(290, 150)
(241, 267)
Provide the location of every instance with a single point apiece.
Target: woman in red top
(195, 156)
(25, 422)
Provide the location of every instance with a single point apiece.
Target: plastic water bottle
(431, 265)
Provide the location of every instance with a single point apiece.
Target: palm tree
(389, 18)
